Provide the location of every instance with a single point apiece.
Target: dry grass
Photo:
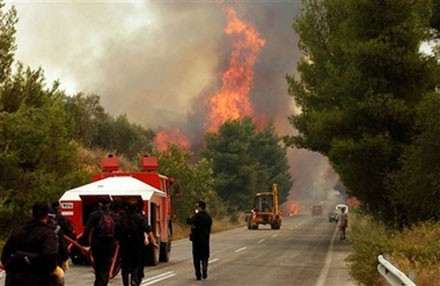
(218, 225)
(414, 251)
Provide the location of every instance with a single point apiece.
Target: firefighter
(133, 234)
(63, 253)
(201, 223)
(103, 243)
(30, 254)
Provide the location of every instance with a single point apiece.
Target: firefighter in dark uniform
(102, 247)
(30, 254)
(201, 223)
(133, 234)
(63, 252)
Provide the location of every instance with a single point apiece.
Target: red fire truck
(152, 190)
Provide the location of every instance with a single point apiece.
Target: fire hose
(86, 251)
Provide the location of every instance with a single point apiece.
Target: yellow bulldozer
(265, 210)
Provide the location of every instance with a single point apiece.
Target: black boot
(205, 268)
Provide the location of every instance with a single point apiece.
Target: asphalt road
(305, 251)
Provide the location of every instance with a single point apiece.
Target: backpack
(131, 228)
(106, 226)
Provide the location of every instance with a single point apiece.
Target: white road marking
(158, 278)
(240, 249)
(274, 235)
(261, 240)
(328, 260)
(213, 260)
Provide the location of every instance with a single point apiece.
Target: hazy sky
(156, 60)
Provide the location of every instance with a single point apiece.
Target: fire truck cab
(152, 190)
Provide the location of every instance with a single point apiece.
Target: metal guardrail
(392, 274)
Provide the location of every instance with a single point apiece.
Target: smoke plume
(158, 62)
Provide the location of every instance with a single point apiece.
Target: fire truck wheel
(152, 255)
(249, 226)
(275, 226)
(165, 248)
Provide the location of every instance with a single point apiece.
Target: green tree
(8, 20)
(37, 153)
(94, 128)
(84, 111)
(193, 182)
(416, 185)
(435, 19)
(246, 162)
(361, 77)
(271, 154)
(131, 139)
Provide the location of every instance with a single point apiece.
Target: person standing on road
(103, 242)
(133, 234)
(342, 223)
(30, 254)
(201, 223)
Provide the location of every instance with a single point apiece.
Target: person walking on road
(342, 223)
(133, 234)
(201, 223)
(102, 243)
(30, 254)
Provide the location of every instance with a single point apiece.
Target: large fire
(232, 101)
(163, 138)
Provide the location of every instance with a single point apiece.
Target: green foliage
(246, 162)
(416, 186)
(37, 154)
(368, 239)
(8, 20)
(94, 128)
(193, 182)
(84, 111)
(361, 78)
(435, 20)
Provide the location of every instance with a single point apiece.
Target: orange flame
(232, 101)
(294, 209)
(164, 138)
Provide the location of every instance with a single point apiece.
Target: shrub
(369, 239)
(414, 251)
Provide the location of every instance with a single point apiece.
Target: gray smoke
(157, 60)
